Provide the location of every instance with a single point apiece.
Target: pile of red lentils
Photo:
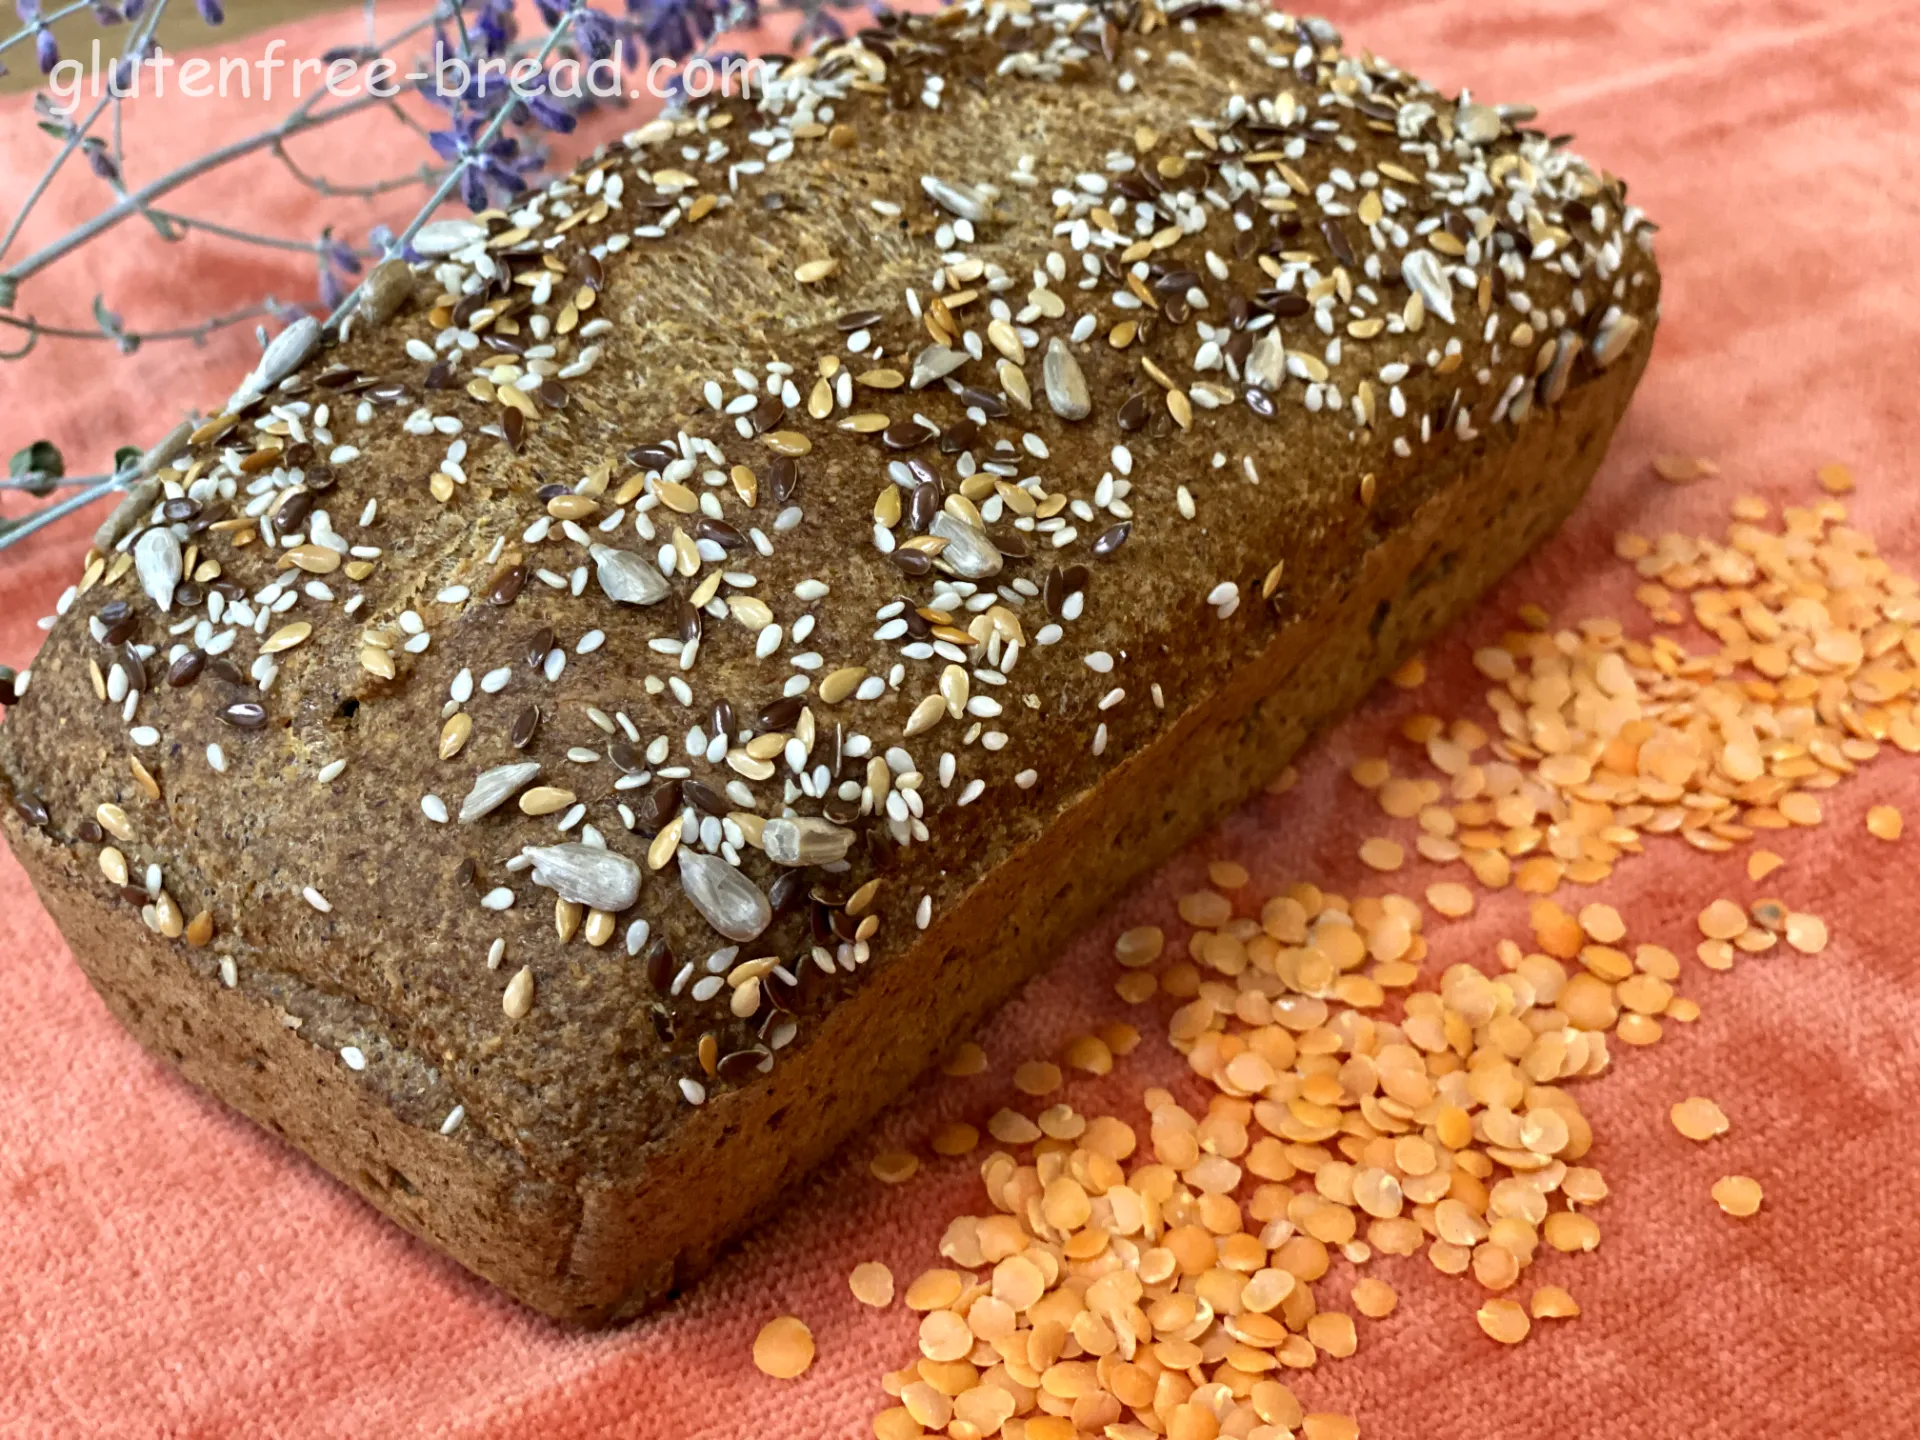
(1136, 1285)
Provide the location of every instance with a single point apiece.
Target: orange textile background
(167, 1269)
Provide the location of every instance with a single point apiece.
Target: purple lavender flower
(336, 254)
(494, 27)
(595, 32)
(549, 114)
(473, 188)
(100, 159)
(674, 29)
(500, 166)
(46, 50)
(211, 11)
(822, 24)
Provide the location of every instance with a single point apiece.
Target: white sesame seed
(317, 900)
(452, 1122)
(353, 1056)
(330, 771)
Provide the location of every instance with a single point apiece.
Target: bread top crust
(928, 423)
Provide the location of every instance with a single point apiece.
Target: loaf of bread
(568, 749)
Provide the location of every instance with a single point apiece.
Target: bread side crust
(609, 1248)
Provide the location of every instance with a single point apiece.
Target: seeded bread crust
(579, 1121)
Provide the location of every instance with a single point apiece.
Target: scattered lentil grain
(1738, 1195)
(872, 1284)
(784, 1348)
(1698, 1118)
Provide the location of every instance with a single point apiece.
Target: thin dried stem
(35, 330)
(101, 487)
(135, 44)
(302, 119)
(297, 123)
(452, 177)
(27, 32)
(248, 237)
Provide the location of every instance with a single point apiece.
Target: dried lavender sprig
(136, 203)
(35, 330)
(98, 488)
(561, 24)
(11, 534)
(426, 174)
(249, 237)
(301, 119)
(473, 153)
(29, 32)
(136, 44)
